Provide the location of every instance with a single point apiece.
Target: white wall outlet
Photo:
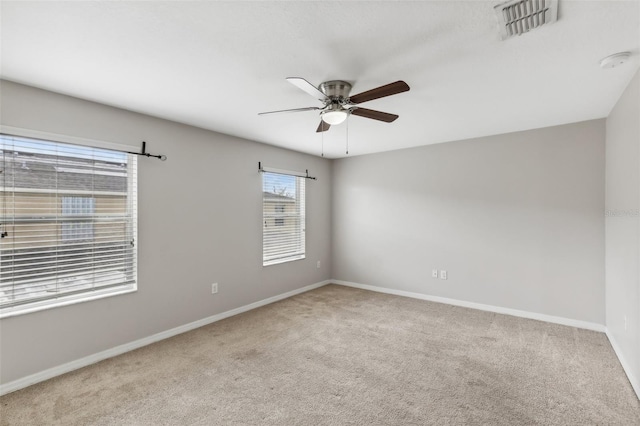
(434, 273)
(214, 288)
(443, 275)
(318, 265)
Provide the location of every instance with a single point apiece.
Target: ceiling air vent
(517, 17)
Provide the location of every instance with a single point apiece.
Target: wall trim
(119, 350)
(635, 383)
(497, 309)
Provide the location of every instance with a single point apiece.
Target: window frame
(299, 214)
(74, 298)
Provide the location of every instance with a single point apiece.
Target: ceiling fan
(338, 104)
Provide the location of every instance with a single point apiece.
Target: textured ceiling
(217, 64)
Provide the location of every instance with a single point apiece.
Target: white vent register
(516, 17)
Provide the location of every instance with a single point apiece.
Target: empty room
(320, 212)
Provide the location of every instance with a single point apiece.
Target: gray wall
(623, 226)
(515, 219)
(200, 221)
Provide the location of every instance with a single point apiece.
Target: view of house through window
(283, 215)
(67, 222)
(76, 208)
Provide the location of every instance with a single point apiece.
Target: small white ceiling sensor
(615, 60)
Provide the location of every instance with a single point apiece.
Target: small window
(283, 216)
(67, 224)
(74, 209)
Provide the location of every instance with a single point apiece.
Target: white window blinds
(68, 223)
(283, 216)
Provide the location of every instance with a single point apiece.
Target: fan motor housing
(336, 89)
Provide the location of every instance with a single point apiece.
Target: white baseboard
(635, 383)
(118, 350)
(497, 309)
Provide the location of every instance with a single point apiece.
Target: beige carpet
(341, 356)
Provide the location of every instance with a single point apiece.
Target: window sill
(65, 301)
(285, 260)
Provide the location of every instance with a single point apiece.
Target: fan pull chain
(322, 138)
(347, 150)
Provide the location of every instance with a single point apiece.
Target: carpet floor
(343, 356)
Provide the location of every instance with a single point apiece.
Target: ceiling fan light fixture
(334, 117)
(338, 104)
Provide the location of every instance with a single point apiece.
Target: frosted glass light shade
(334, 117)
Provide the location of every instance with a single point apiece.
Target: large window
(283, 215)
(67, 223)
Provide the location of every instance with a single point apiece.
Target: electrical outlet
(318, 265)
(443, 275)
(434, 273)
(214, 288)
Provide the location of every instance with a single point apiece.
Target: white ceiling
(217, 64)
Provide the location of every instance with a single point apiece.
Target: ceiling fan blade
(290, 110)
(380, 92)
(375, 115)
(303, 84)
(323, 127)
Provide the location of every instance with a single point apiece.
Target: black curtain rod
(146, 154)
(306, 175)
